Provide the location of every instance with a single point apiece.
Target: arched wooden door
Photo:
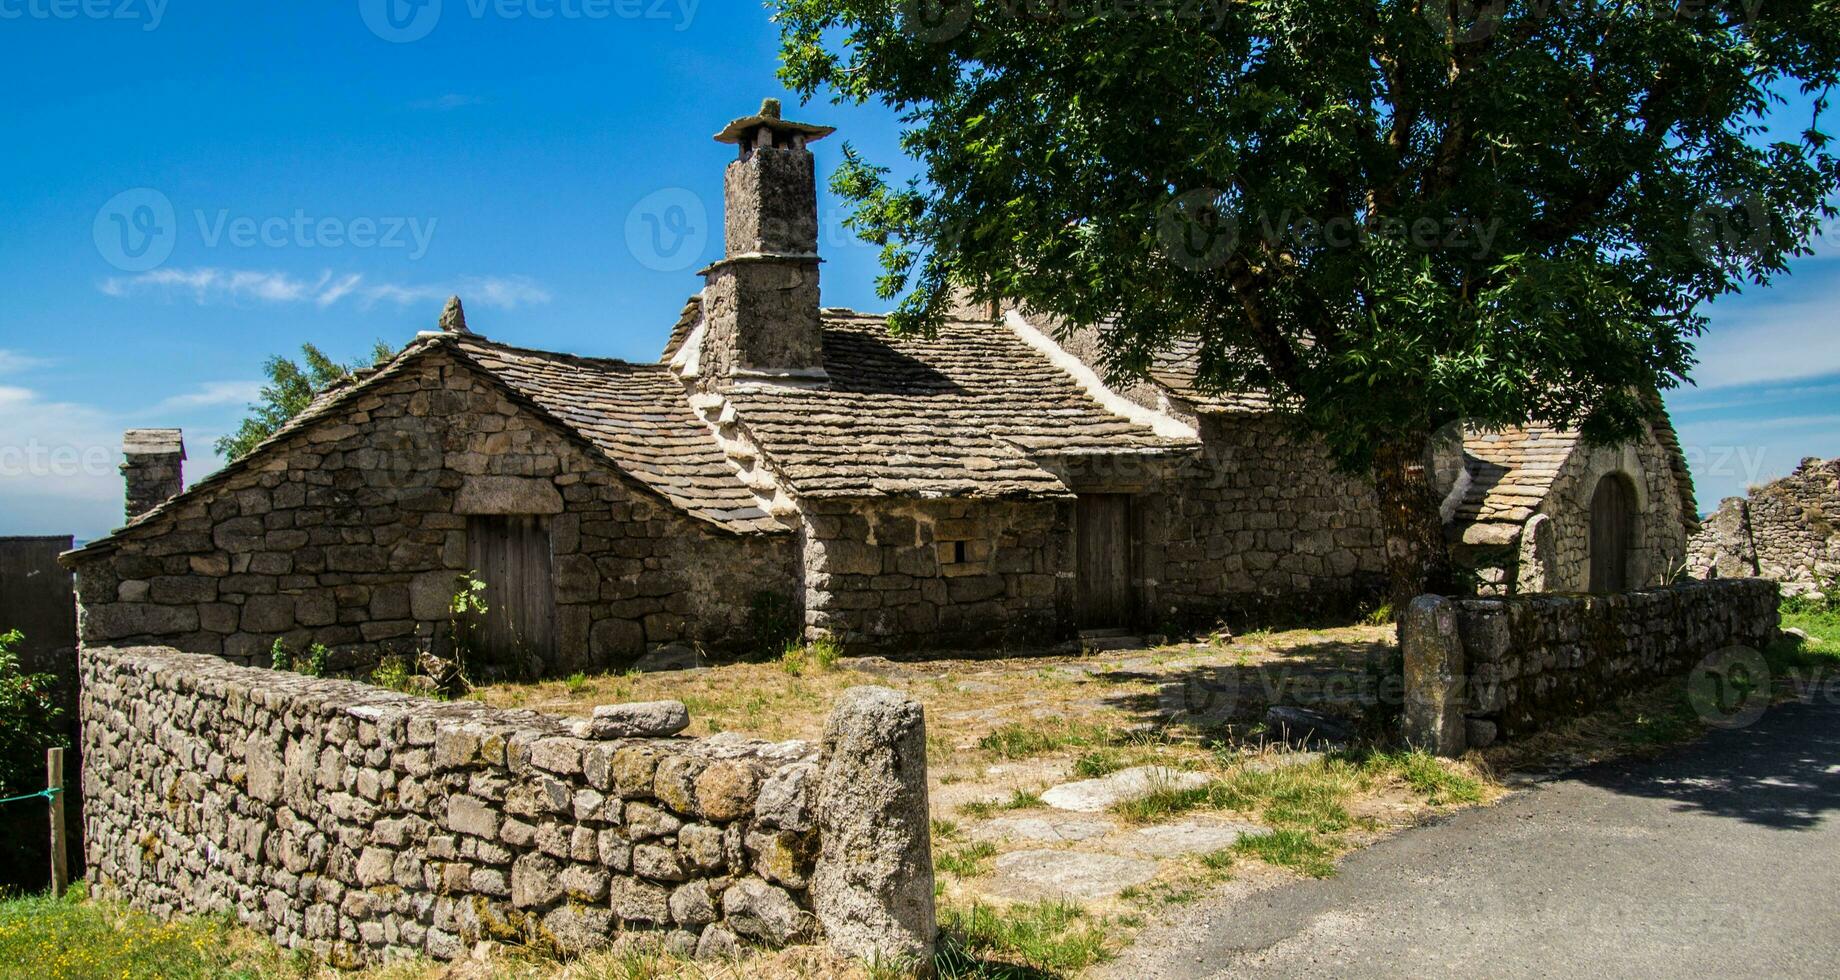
(1612, 527)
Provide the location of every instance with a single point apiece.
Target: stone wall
(1262, 524)
(1783, 531)
(352, 532)
(1514, 666)
(364, 824)
(901, 573)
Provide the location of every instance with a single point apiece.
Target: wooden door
(1104, 550)
(1612, 511)
(511, 555)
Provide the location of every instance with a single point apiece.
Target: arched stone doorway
(1613, 533)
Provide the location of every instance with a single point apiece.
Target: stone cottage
(790, 468)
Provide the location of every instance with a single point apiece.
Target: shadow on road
(1781, 772)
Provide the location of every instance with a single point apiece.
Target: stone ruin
(1782, 531)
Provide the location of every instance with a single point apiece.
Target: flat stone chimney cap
(769, 117)
(146, 442)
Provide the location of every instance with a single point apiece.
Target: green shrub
(395, 674)
(30, 721)
(279, 656)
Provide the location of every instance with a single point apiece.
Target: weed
(1055, 938)
(1427, 776)
(319, 661)
(966, 862)
(1299, 850)
(394, 674)
(279, 656)
(1019, 741)
(1099, 762)
(576, 683)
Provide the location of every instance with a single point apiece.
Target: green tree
(1391, 214)
(30, 721)
(290, 389)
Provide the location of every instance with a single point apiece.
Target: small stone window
(951, 552)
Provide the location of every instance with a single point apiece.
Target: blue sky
(320, 172)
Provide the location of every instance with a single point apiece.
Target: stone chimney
(761, 302)
(154, 469)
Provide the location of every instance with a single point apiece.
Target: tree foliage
(30, 721)
(290, 389)
(1390, 214)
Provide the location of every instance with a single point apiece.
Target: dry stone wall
(896, 572)
(1517, 665)
(364, 824)
(1263, 524)
(1783, 531)
(352, 534)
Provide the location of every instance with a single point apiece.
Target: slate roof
(1511, 472)
(955, 414)
(1177, 370)
(639, 417)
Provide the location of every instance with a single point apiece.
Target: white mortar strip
(716, 413)
(1163, 425)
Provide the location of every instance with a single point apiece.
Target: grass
(1021, 799)
(1040, 939)
(1299, 850)
(71, 937)
(972, 861)
(817, 657)
(1020, 741)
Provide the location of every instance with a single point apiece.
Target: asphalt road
(1719, 859)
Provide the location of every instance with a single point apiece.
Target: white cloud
(213, 393)
(206, 285)
(1779, 342)
(58, 465)
(13, 362)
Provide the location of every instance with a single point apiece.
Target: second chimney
(154, 467)
(761, 301)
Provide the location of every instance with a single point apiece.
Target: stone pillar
(1537, 568)
(1435, 693)
(761, 300)
(873, 887)
(154, 470)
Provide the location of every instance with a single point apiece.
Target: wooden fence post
(54, 779)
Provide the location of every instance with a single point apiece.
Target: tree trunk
(1417, 559)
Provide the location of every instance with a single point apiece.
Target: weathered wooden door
(1612, 511)
(511, 554)
(1104, 560)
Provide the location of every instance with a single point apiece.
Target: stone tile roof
(1178, 370)
(1511, 472)
(639, 417)
(956, 414)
